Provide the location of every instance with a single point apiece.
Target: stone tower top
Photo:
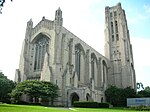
(58, 17)
(30, 23)
(118, 6)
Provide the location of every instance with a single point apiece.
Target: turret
(29, 29)
(58, 17)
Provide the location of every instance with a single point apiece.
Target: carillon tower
(118, 48)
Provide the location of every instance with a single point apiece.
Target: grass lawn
(25, 108)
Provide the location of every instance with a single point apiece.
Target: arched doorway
(74, 97)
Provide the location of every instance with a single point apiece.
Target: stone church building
(52, 53)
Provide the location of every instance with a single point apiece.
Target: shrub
(21, 102)
(86, 104)
(25, 103)
(36, 104)
(141, 108)
(103, 105)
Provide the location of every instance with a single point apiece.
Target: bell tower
(118, 48)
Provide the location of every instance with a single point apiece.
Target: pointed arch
(79, 61)
(74, 97)
(41, 46)
(104, 69)
(94, 69)
(62, 48)
(80, 47)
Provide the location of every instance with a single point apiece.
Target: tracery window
(77, 61)
(41, 47)
(93, 66)
(80, 62)
(104, 71)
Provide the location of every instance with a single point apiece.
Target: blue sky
(84, 18)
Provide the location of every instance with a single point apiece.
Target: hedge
(104, 105)
(90, 104)
(141, 108)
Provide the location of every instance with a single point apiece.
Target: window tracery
(41, 47)
(77, 61)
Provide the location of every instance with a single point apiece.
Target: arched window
(104, 71)
(94, 67)
(79, 62)
(62, 49)
(41, 47)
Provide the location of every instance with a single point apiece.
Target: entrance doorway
(74, 97)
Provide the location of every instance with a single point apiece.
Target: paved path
(63, 108)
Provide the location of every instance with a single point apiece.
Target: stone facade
(52, 53)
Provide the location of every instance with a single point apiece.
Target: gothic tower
(118, 48)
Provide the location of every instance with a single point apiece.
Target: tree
(6, 86)
(49, 91)
(31, 88)
(147, 89)
(144, 93)
(2, 4)
(111, 94)
(36, 90)
(117, 96)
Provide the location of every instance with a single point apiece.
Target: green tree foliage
(36, 89)
(117, 96)
(6, 86)
(31, 88)
(49, 90)
(2, 4)
(147, 89)
(144, 93)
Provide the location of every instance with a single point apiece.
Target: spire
(58, 13)
(58, 17)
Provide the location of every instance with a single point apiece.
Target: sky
(84, 18)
